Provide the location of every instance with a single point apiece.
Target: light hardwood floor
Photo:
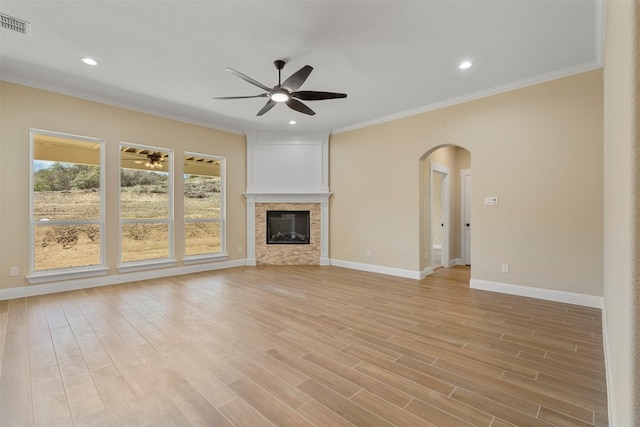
(298, 346)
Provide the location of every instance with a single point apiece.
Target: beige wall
(622, 211)
(538, 148)
(23, 108)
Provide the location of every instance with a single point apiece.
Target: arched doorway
(445, 217)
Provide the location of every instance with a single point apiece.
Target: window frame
(65, 273)
(214, 256)
(169, 261)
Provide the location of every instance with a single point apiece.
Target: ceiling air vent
(15, 24)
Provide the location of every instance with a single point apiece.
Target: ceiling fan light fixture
(280, 95)
(153, 161)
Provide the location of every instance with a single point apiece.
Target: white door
(466, 215)
(439, 213)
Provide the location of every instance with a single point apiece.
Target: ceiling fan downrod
(279, 63)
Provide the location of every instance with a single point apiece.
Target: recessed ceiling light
(89, 61)
(292, 122)
(465, 64)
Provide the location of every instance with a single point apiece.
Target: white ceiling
(392, 58)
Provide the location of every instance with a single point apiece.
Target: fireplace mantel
(287, 197)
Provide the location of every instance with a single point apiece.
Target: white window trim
(152, 264)
(46, 276)
(43, 276)
(201, 259)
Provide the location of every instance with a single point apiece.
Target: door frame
(445, 206)
(463, 207)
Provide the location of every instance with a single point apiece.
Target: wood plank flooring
(299, 346)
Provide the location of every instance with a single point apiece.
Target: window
(203, 205)
(66, 202)
(146, 226)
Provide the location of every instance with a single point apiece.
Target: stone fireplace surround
(260, 253)
(287, 170)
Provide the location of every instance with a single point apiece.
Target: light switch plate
(491, 200)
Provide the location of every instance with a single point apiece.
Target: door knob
(468, 224)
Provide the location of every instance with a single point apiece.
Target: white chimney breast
(287, 162)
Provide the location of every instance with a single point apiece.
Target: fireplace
(288, 228)
(288, 171)
(260, 252)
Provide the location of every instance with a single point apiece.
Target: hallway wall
(539, 149)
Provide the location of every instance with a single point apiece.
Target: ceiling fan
(286, 91)
(150, 159)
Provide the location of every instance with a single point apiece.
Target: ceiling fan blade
(248, 79)
(268, 106)
(296, 79)
(263, 95)
(311, 95)
(294, 104)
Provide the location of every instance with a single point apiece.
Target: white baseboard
(115, 279)
(456, 261)
(426, 272)
(391, 271)
(539, 293)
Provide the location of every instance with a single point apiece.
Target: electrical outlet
(368, 252)
(14, 271)
(505, 268)
(239, 249)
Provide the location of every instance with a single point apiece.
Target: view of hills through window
(67, 200)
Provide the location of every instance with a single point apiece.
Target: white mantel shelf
(287, 197)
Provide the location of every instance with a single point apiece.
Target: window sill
(55, 276)
(146, 265)
(200, 259)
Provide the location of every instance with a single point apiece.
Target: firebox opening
(288, 227)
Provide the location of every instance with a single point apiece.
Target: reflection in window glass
(66, 201)
(145, 203)
(203, 204)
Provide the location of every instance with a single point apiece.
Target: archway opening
(445, 208)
